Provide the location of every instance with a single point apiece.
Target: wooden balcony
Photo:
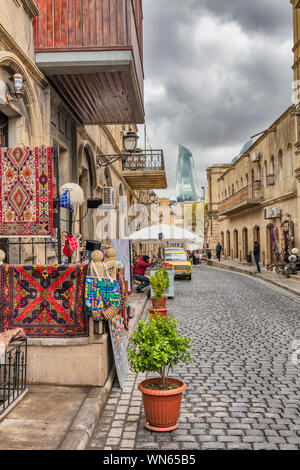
(92, 53)
(145, 170)
(248, 197)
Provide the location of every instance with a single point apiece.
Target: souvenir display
(46, 301)
(71, 244)
(65, 201)
(110, 263)
(97, 259)
(99, 291)
(26, 194)
(110, 311)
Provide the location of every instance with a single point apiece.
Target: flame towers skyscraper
(186, 184)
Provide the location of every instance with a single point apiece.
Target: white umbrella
(169, 232)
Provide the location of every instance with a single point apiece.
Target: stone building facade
(43, 117)
(256, 198)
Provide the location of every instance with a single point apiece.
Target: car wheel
(189, 277)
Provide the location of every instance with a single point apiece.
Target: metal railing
(250, 193)
(270, 180)
(13, 365)
(145, 160)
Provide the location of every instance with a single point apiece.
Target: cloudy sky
(216, 72)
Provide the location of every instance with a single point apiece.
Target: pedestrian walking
(219, 251)
(256, 253)
(139, 273)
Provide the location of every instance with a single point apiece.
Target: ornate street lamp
(18, 85)
(129, 146)
(130, 141)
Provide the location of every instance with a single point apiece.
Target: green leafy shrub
(160, 282)
(157, 347)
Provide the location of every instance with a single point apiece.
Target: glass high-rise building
(187, 184)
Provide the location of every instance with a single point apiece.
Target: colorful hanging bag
(110, 311)
(100, 292)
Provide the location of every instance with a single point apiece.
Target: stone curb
(85, 421)
(252, 274)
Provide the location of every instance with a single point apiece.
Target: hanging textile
(71, 244)
(26, 192)
(65, 201)
(46, 301)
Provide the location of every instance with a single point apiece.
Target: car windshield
(176, 257)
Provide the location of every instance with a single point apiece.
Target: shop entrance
(270, 244)
(235, 244)
(245, 243)
(228, 247)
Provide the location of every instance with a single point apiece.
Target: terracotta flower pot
(162, 407)
(162, 312)
(159, 303)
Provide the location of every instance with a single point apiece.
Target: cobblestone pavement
(243, 389)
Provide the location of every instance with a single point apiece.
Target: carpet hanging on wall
(26, 191)
(46, 301)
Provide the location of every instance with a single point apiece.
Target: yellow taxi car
(180, 260)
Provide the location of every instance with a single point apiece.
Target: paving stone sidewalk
(54, 417)
(291, 284)
(243, 389)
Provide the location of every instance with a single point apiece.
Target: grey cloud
(253, 86)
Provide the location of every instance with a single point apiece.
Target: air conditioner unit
(109, 198)
(268, 213)
(276, 212)
(255, 157)
(272, 212)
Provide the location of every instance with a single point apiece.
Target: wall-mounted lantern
(129, 146)
(130, 141)
(18, 85)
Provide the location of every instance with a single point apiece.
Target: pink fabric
(141, 267)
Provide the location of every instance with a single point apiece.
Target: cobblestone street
(243, 389)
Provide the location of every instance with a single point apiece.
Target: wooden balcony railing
(247, 197)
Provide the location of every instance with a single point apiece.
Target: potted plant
(157, 347)
(159, 282)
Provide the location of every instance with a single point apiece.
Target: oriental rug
(46, 301)
(26, 191)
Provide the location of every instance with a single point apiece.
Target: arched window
(272, 169)
(280, 164)
(237, 186)
(289, 160)
(242, 184)
(265, 172)
(259, 172)
(233, 189)
(225, 194)
(247, 179)
(107, 177)
(3, 130)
